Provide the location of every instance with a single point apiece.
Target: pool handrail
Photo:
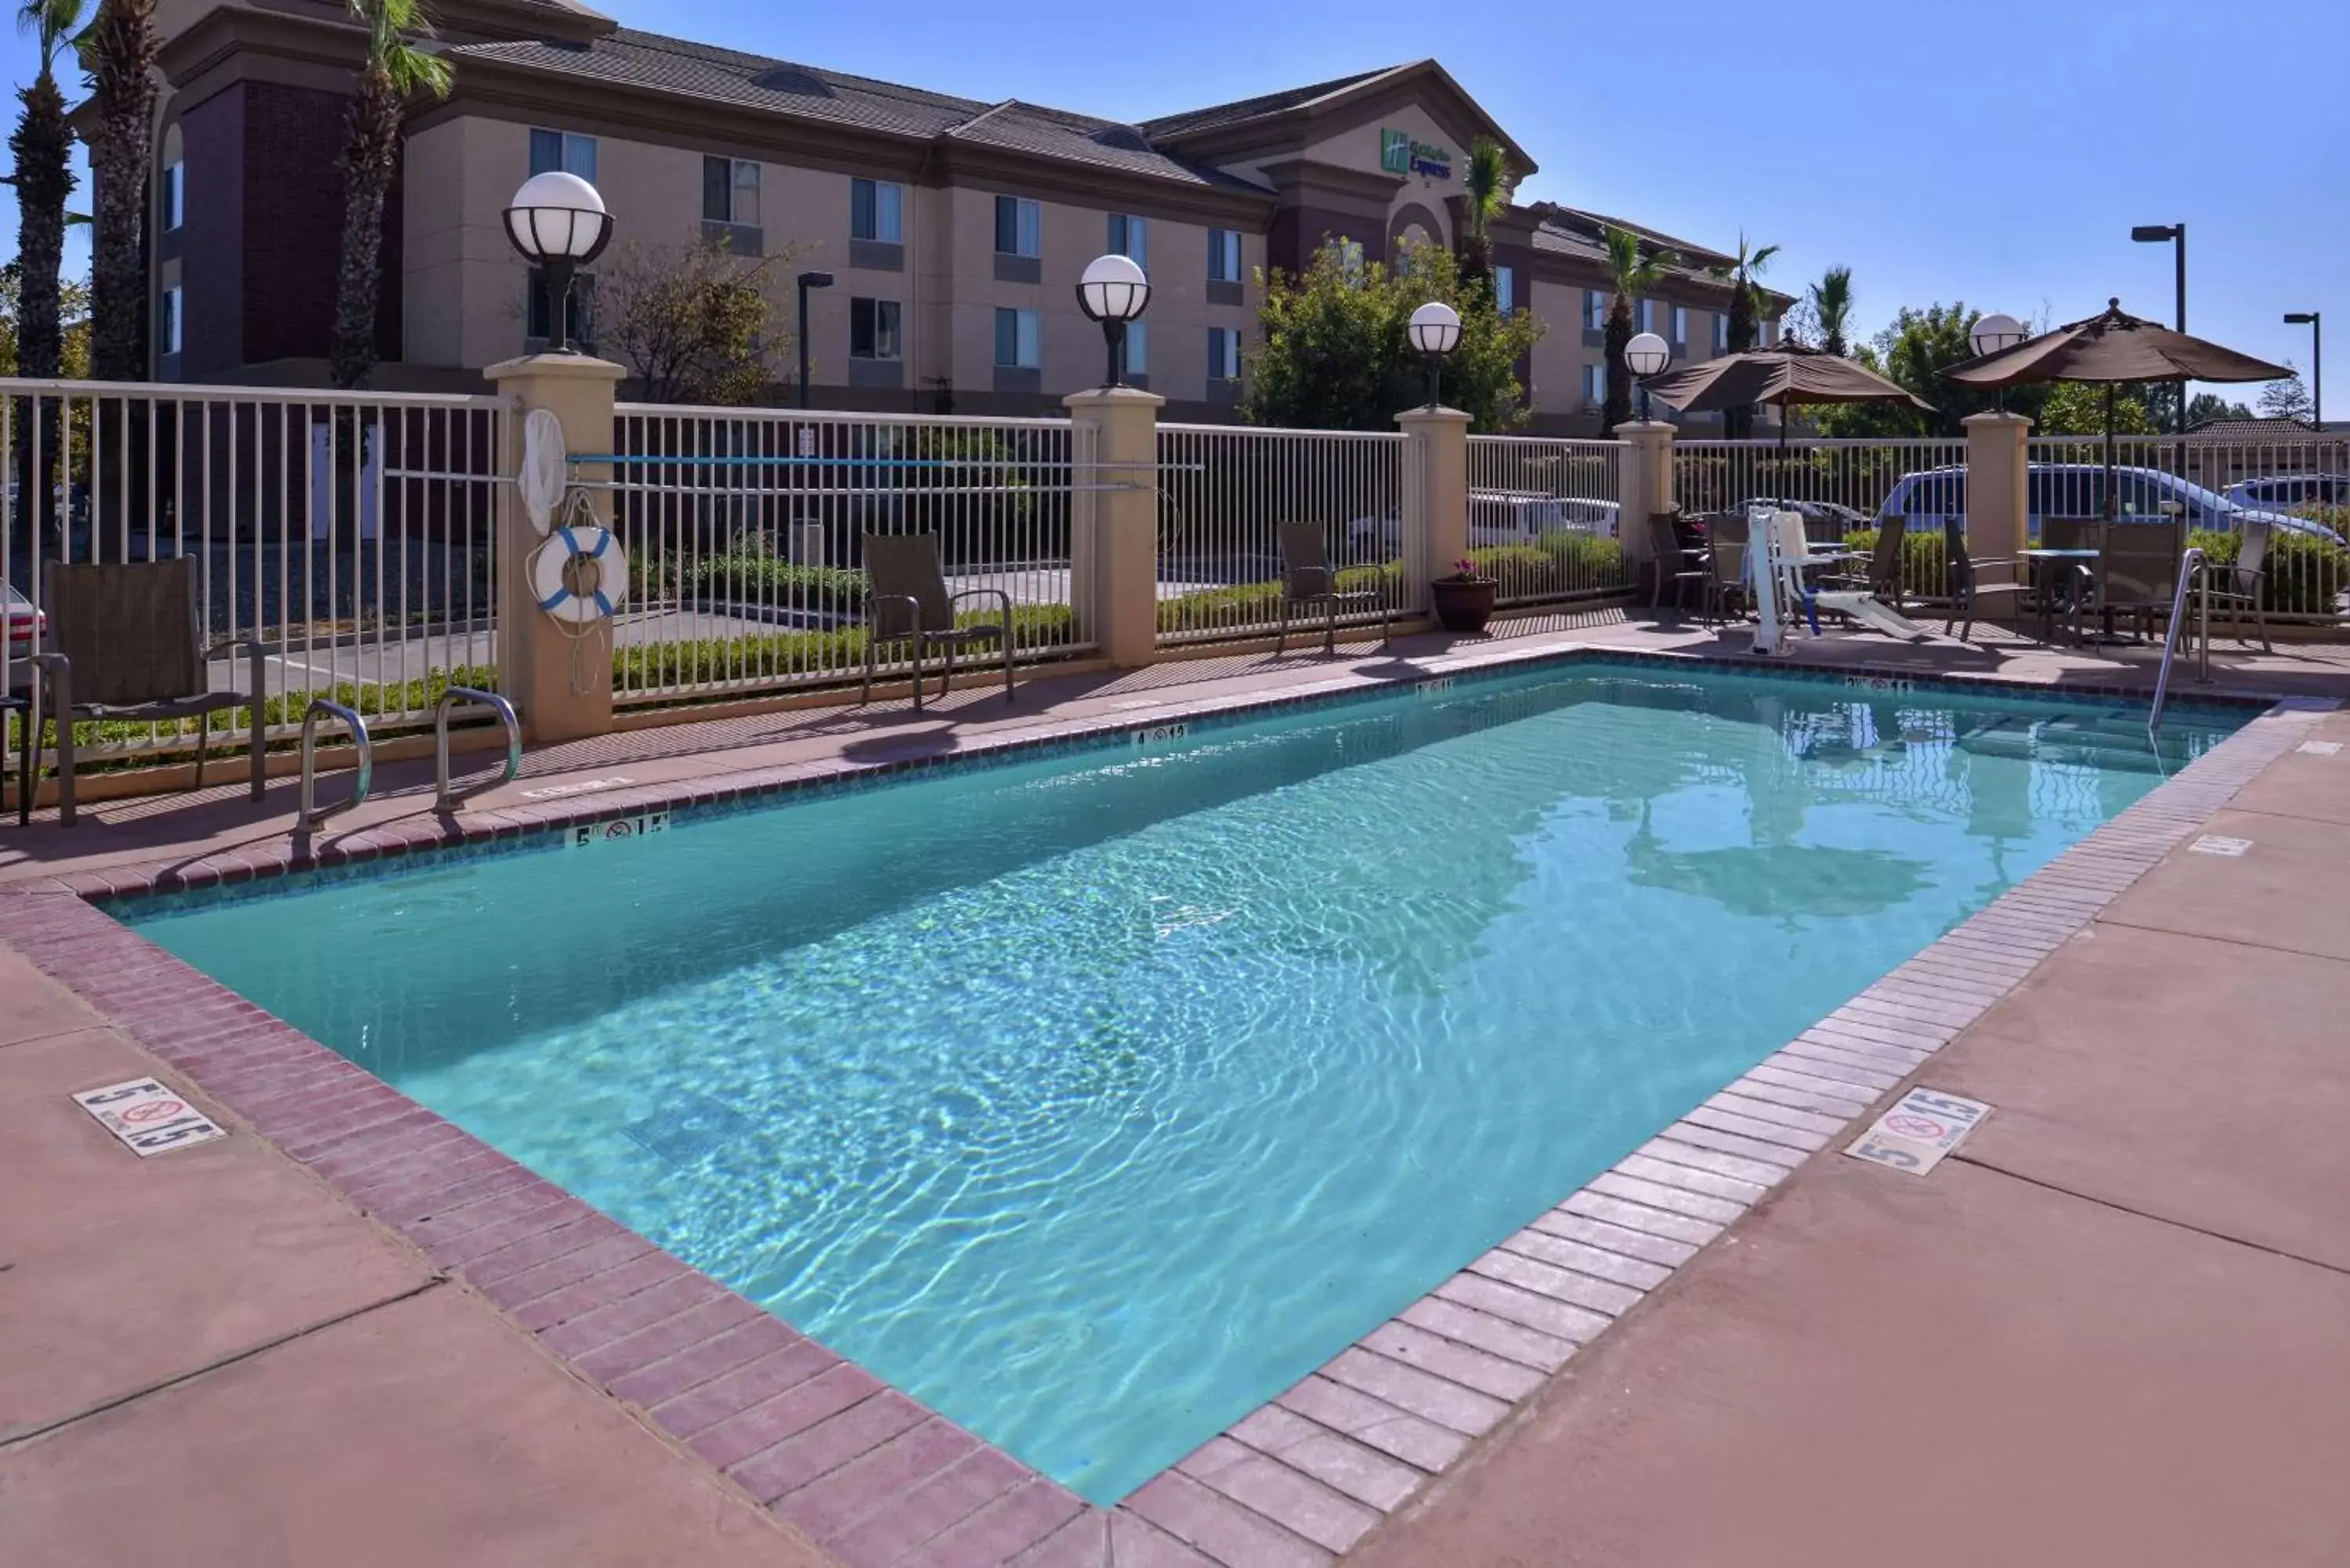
(2192, 571)
(445, 797)
(309, 815)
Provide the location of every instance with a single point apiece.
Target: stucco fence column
(562, 685)
(1435, 497)
(1998, 507)
(1114, 522)
(1646, 489)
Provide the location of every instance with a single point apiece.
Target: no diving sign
(148, 1117)
(1916, 1134)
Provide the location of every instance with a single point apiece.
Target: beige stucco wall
(1357, 148)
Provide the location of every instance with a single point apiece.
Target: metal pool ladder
(445, 797)
(2193, 570)
(311, 815)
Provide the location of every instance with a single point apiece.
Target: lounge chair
(908, 603)
(2238, 587)
(1676, 562)
(126, 641)
(1309, 581)
(1973, 582)
(2141, 568)
(1792, 557)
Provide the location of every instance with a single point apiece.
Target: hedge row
(2306, 576)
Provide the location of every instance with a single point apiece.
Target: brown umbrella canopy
(2114, 346)
(1789, 372)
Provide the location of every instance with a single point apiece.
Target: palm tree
(1633, 274)
(1831, 300)
(43, 144)
(1486, 183)
(394, 68)
(1745, 319)
(119, 49)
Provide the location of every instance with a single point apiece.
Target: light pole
(2311, 319)
(807, 280)
(1992, 334)
(1646, 356)
(1114, 291)
(558, 224)
(2174, 234)
(1435, 332)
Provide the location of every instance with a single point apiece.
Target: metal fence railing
(1224, 490)
(744, 528)
(1545, 518)
(350, 535)
(1840, 486)
(2298, 486)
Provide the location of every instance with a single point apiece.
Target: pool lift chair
(1780, 554)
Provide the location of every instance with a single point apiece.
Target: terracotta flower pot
(1463, 604)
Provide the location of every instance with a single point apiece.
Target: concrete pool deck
(2125, 1305)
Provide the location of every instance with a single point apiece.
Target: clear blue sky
(1996, 151)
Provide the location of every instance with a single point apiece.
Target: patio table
(2042, 557)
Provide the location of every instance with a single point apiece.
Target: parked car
(1933, 496)
(2292, 491)
(1499, 518)
(1823, 520)
(27, 625)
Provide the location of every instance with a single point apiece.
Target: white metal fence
(1223, 493)
(745, 530)
(349, 534)
(1545, 518)
(1839, 485)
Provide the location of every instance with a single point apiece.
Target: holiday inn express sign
(1400, 154)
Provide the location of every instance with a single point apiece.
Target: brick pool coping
(876, 1476)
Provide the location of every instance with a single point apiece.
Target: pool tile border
(878, 1479)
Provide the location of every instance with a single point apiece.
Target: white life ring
(580, 574)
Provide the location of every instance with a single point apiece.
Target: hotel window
(174, 195)
(1224, 354)
(564, 151)
(1019, 227)
(1645, 314)
(1134, 353)
(1595, 310)
(873, 330)
(1721, 332)
(1224, 256)
(539, 309)
(1766, 333)
(1016, 338)
(1681, 324)
(730, 192)
(167, 328)
(1595, 383)
(877, 211)
(1129, 237)
(1504, 290)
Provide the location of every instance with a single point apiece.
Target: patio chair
(1308, 581)
(1676, 561)
(907, 602)
(2241, 584)
(1883, 575)
(1726, 546)
(126, 641)
(1972, 582)
(2141, 568)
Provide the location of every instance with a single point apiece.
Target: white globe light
(1646, 354)
(1994, 332)
(1435, 328)
(1113, 288)
(557, 217)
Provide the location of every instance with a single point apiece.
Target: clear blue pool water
(1096, 1099)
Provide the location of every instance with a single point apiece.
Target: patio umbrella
(1786, 373)
(2113, 348)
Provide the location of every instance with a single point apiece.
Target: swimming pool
(1096, 1097)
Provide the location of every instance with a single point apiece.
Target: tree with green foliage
(43, 145)
(120, 51)
(694, 321)
(1830, 300)
(2288, 398)
(1631, 272)
(1486, 184)
(1336, 355)
(391, 69)
(2201, 409)
(2078, 408)
(1746, 312)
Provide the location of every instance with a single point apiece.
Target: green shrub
(1924, 559)
(765, 579)
(1259, 604)
(1560, 562)
(642, 666)
(2305, 575)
